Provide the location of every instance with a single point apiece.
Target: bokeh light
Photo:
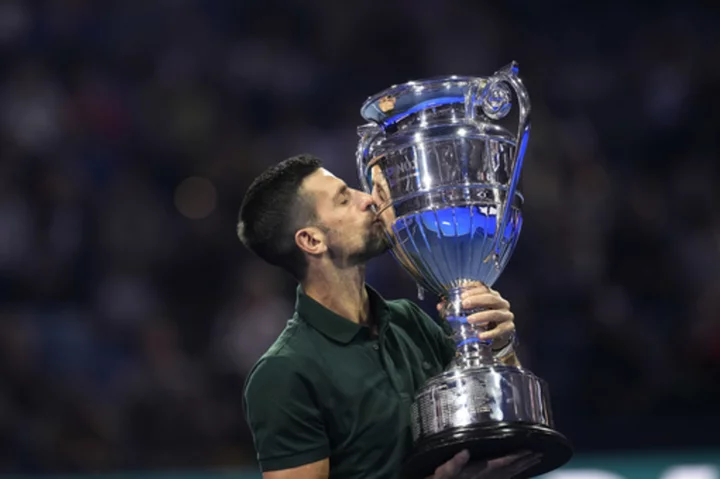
(196, 198)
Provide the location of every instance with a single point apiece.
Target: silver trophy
(443, 160)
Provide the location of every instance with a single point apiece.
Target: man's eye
(344, 201)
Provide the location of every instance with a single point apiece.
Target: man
(331, 397)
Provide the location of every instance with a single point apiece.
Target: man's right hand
(505, 467)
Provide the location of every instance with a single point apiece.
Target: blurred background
(130, 313)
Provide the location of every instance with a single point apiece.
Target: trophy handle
(495, 98)
(367, 133)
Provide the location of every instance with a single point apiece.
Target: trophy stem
(471, 350)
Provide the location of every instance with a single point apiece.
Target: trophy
(442, 161)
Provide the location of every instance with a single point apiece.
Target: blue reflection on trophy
(443, 161)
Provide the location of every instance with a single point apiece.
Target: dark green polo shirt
(328, 388)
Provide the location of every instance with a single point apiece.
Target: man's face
(352, 233)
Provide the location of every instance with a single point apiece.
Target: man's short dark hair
(274, 209)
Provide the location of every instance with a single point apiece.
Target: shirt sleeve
(440, 332)
(283, 415)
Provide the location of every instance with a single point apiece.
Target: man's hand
(501, 468)
(495, 314)
(453, 467)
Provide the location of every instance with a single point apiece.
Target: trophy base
(487, 442)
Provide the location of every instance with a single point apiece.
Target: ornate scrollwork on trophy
(497, 102)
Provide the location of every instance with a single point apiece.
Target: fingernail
(465, 455)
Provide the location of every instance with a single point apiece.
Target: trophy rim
(450, 82)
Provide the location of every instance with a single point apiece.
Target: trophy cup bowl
(443, 164)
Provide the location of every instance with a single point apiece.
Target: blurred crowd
(130, 313)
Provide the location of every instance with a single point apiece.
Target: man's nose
(366, 200)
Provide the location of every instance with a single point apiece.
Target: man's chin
(374, 251)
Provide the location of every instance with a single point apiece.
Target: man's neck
(341, 291)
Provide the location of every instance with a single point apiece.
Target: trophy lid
(400, 101)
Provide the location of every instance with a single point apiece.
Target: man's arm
(286, 421)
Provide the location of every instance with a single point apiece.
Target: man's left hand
(495, 314)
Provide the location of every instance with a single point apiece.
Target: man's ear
(311, 240)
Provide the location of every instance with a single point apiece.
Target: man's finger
(485, 300)
(503, 461)
(491, 316)
(499, 330)
(522, 465)
(451, 468)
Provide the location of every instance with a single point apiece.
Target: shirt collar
(334, 326)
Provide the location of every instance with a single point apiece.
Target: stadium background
(130, 313)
